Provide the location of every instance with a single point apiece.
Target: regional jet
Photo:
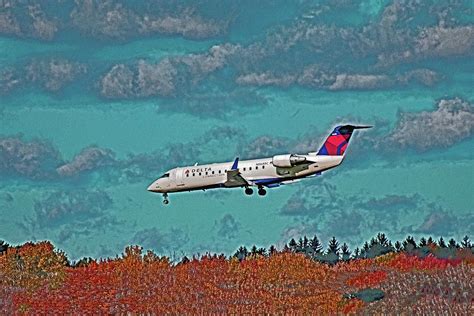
(262, 173)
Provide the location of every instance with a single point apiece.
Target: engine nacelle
(287, 161)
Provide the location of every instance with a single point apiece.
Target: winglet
(235, 164)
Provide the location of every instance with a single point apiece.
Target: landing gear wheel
(165, 198)
(248, 191)
(262, 191)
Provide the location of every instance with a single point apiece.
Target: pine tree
(261, 251)
(452, 244)
(346, 254)
(315, 245)
(305, 242)
(300, 246)
(272, 250)
(398, 246)
(409, 244)
(423, 242)
(293, 245)
(253, 250)
(383, 240)
(430, 241)
(333, 246)
(441, 243)
(241, 253)
(356, 254)
(466, 243)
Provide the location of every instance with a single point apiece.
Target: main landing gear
(165, 199)
(261, 191)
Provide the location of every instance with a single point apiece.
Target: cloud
(451, 122)
(440, 222)
(160, 241)
(265, 146)
(62, 207)
(167, 78)
(9, 80)
(228, 227)
(117, 20)
(26, 19)
(36, 159)
(90, 158)
(53, 74)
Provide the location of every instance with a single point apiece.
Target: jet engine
(288, 160)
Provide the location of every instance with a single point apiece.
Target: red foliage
(367, 279)
(404, 262)
(36, 279)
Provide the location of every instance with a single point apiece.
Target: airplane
(262, 173)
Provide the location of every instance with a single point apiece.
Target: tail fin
(336, 143)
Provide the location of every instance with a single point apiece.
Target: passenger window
(194, 174)
(219, 171)
(250, 168)
(212, 171)
(244, 168)
(199, 173)
(187, 174)
(263, 167)
(206, 173)
(256, 167)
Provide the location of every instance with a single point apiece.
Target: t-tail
(337, 141)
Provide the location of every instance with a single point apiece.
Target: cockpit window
(166, 175)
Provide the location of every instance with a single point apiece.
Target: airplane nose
(153, 187)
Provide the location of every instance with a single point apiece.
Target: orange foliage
(36, 279)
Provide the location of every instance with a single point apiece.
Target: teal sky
(98, 99)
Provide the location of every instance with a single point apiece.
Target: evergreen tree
(261, 251)
(430, 241)
(253, 250)
(356, 254)
(409, 244)
(305, 242)
(453, 244)
(398, 246)
(272, 250)
(441, 243)
(293, 245)
(3, 247)
(300, 246)
(184, 260)
(241, 253)
(423, 242)
(332, 254)
(383, 240)
(333, 246)
(315, 245)
(466, 243)
(365, 248)
(346, 254)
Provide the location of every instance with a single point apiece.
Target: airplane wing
(234, 177)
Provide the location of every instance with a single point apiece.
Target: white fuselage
(258, 172)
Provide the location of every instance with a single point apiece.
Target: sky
(99, 98)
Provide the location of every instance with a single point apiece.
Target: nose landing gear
(165, 199)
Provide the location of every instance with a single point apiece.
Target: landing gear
(165, 199)
(248, 191)
(261, 191)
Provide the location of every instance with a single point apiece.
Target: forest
(404, 277)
